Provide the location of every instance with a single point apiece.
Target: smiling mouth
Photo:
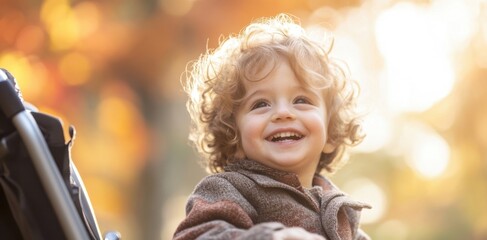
(285, 136)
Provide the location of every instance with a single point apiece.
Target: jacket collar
(263, 174)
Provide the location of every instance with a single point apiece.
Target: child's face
(282, 122)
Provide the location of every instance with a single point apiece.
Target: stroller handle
(12, 106)
(10, 99)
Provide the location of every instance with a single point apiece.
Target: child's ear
(328, 148)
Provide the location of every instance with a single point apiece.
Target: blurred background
(112, 69)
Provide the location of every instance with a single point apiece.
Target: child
(270, 111)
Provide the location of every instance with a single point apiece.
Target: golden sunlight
(429, 153)
(378, 131)
(418, 65)
(63, 34)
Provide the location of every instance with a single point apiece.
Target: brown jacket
(251, 201)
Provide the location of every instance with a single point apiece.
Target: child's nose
(283, 112)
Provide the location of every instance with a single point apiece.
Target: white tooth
(285, 134)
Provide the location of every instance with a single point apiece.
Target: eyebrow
(308, 90)
(298, 88)
(246, 98)
(260, 91)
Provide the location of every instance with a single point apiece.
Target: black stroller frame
(60, 179)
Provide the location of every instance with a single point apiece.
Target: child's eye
(259, 104)
(302, 100)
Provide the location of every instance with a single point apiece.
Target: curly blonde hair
(215, 88)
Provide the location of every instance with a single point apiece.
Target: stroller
(42, 195)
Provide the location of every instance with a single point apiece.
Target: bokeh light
(429, 153)
(61, 23)
(365, 190)
(379, 132)
(419, 70)
(24, 69)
